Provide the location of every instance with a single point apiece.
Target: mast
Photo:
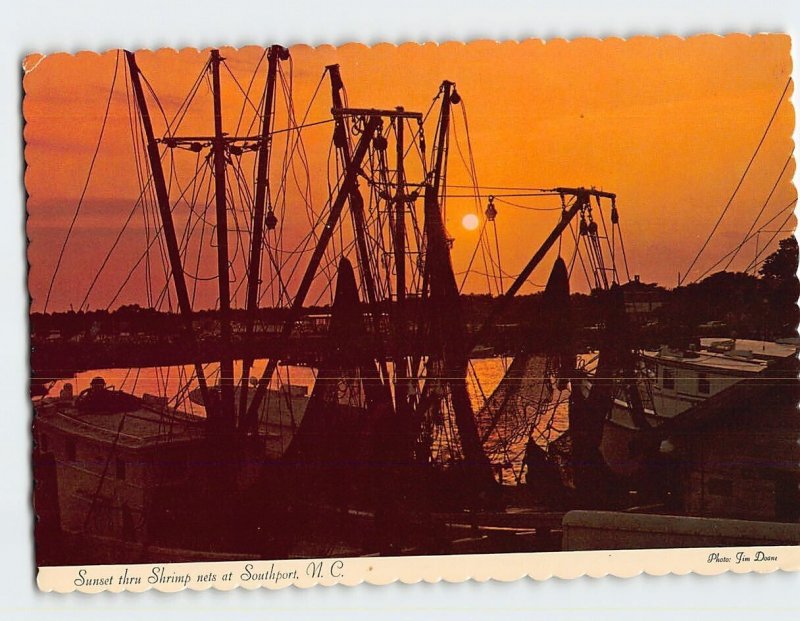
(168, 225)
(399, 216)
(439, 154)
(449, 96)
(275, 54)
(400, 370)
(444, 298)
(219, 145)
(351, 173)
(355, 200)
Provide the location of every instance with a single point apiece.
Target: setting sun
(470, 222)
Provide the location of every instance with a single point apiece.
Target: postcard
(331, 315)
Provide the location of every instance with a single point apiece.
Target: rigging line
(163, 252)
(576, 239)
(590, 258)
(203, 230)
(488, 259)
(185, 236)
(173, 125)
(257, 115)
(507, 275)
(497, 251)
(142, 141)
(741, 181)
(110, 252)
(474, 175)
(752, 235)
(380, 237)
(150, 191)
(304, 242)
(200, 221)
(378, 258)
(770, 240)
(624, 254)
(240, 232)
(509, 195)
(230, 206)
(183, 109)
(184, 243)
(472, 259)
(185, 104)
(500, 187)
(277, 255)
(156, 236)
(283, 292)
(295, 127)
(246, 93)
(86, 183)
(572, 262)
(764, 260)
(298, 146)
(305, 192)
(140, 177)
(116, 241)
(311, 235)
(614, 275)
(761, 211)
(283, 186)
(111, 453)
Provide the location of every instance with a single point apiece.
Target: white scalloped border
(413, 569)
(429, 569)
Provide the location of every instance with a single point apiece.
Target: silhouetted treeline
(724, 304)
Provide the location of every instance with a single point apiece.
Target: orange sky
(668, 124)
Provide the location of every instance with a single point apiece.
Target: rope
(739, 184)
(527, 207)
(755, 261)
(761, 211)
(752, 235)
(86, 183)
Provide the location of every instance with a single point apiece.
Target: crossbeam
(397, 113)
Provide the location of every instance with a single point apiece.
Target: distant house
(642, 300)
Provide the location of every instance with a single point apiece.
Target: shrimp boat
(396, 431)
(682, 389)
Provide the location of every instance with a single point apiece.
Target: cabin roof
(709, 361)
(766, 349)
(740, 356)
(137, 429)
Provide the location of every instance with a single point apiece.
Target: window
(120, 469)
(703, 384)
(668, 377)
(71, 450)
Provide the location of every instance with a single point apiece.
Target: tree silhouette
(783, 262)
(781, 288)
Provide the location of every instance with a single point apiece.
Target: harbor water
(172, 385)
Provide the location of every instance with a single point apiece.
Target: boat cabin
(116, 464)
(683, 378)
